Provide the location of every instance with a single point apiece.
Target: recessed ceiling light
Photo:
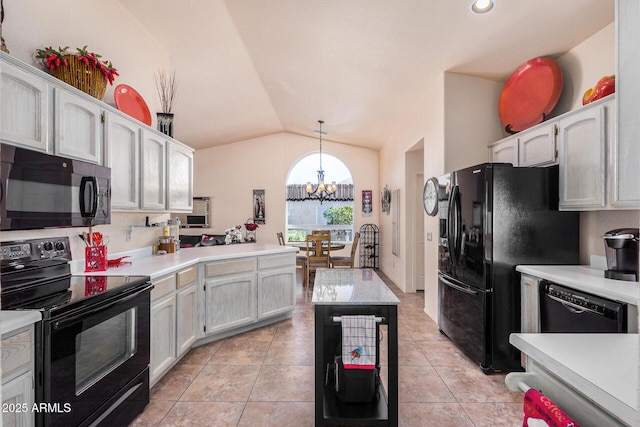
(482, 6)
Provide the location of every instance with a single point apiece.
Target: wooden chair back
(280, 238)
(318, 248)
(356, 239)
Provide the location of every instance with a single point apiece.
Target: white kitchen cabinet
(122, 151)
(625, 153)
(230, 302)
(179, 177)
(17, 377)
(276, 285)
(530, 304)
(582, 141)
(535, 146)
(153, 172)
(504, 151)
(187, 309)
(24, 110)
(78, 127)
(163, 327)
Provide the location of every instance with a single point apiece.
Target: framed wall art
(259, 216)
(367, 202)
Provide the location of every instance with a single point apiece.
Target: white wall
(471, 120)
(229, 174)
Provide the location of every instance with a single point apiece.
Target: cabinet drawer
(16, 353)
(223, 268)
(162, 287)
(276, 261)
(187, 276)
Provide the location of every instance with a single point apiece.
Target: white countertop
(11, 320)
(603, 367)
(143, 263)
(587, 279)
(346, 286)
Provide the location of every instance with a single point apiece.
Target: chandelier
(321, 191)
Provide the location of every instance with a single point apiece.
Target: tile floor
(265, 378)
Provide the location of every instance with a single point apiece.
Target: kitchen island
(591, 377)
(339, 292)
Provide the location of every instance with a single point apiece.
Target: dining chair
(301, 260)
(347, 261)
(317, 256)
(321, 232)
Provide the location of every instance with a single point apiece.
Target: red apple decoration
(605, 86)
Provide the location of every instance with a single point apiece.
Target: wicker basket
(86, 78)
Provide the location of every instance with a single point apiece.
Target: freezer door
(467, 226)
(462, 318)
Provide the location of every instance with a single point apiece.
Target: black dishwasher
(568, 310)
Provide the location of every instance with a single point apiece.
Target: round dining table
(335, 246)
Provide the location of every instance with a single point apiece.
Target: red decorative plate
(530, 94)
(129, 101)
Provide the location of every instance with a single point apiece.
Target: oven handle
(72, 319)
(574, 308)
(458, 287)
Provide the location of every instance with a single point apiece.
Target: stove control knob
(59, 246)
(48, 246)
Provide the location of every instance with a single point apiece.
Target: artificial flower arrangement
(81, 69)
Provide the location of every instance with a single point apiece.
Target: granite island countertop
(346, 286)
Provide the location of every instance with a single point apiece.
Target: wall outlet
(429, 236)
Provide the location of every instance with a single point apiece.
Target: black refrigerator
(494, 217)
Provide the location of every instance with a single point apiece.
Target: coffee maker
(621, 248)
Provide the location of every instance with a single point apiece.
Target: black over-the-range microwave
(39, 190)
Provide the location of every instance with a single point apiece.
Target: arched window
(305, 213)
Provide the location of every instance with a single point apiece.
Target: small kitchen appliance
(621, 249)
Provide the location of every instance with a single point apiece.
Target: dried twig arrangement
(166, 85)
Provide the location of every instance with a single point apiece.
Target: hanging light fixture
(321, 191)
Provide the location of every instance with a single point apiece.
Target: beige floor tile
(200, 355)
(278, 414)
(469, 384)
(222, 383)
(421, 384)
(291, 353)
(175, 382)
(284, 383)
(240, 351)
(432, 415)
(495, 414)
(153, 414)
(300, 330)
(204, 414)
(442, 353)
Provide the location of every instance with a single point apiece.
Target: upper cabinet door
(625, 152)
(153, 173)
(180, 178)
(122, 151)
(24, 110)
(582, 144)
(78, 127)
(504, 151)
(537, 147)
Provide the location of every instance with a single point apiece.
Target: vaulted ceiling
(249, 68)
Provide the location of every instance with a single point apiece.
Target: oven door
(462, 317)
(94, 357)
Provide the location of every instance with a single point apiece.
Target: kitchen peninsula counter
(600, 368)
(143, 263)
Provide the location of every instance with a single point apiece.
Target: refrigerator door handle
(451, 227)
(458, 287)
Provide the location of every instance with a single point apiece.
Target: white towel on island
(359, 342)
